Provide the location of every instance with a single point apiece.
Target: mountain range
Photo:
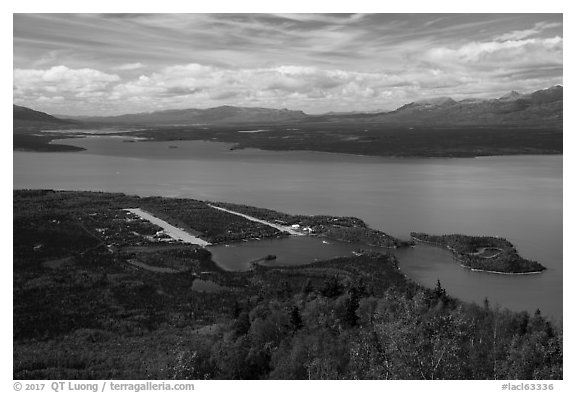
(218, 115)
(540, 108)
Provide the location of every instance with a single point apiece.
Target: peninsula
(483, 253)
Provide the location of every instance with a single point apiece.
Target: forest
(81, 311)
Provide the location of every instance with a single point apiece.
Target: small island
(483, 253)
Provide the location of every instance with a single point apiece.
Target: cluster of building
(298, 227)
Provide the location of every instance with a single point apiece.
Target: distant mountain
(435, 102)
(427, 105)
(512, 96)
(541, 108)
(218, 115)
(350, 113)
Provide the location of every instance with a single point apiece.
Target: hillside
(28, 120)
(28, 123)
(21, 113)
(218, 115)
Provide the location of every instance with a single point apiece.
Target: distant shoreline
(394, 142)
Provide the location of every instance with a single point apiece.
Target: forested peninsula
(483, 253)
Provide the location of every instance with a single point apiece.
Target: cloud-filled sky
(107, 64)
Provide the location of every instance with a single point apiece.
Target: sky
(110, 64)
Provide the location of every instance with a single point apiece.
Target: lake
(517, 197)
(294, 250)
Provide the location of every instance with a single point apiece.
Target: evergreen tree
(439, 291)
(351, 306)
(296, 319)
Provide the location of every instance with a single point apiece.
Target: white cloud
(314, 62)
(323, 18)
(522, 34)
(253, 84)
(501, 53)
(311, 88)
(129, 67)
(60, 80)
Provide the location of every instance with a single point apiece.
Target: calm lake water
(518, 197)
(295, 250)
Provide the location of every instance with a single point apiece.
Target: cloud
(313, 89)
(129, 66)
(61, 79)
(500, 53)
(522, 34)
(180, 91)
(323, 18)
(60, 89)
(225, 95)
(315, 62)
(196, 85)
(282, 80)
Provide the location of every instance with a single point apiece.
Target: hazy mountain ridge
(218, 115)
(540, 108)
(513, 95)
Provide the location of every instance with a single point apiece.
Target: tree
(296, 319)
(242, 324)
(352, 303)
(332, 287)
(439, 291)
